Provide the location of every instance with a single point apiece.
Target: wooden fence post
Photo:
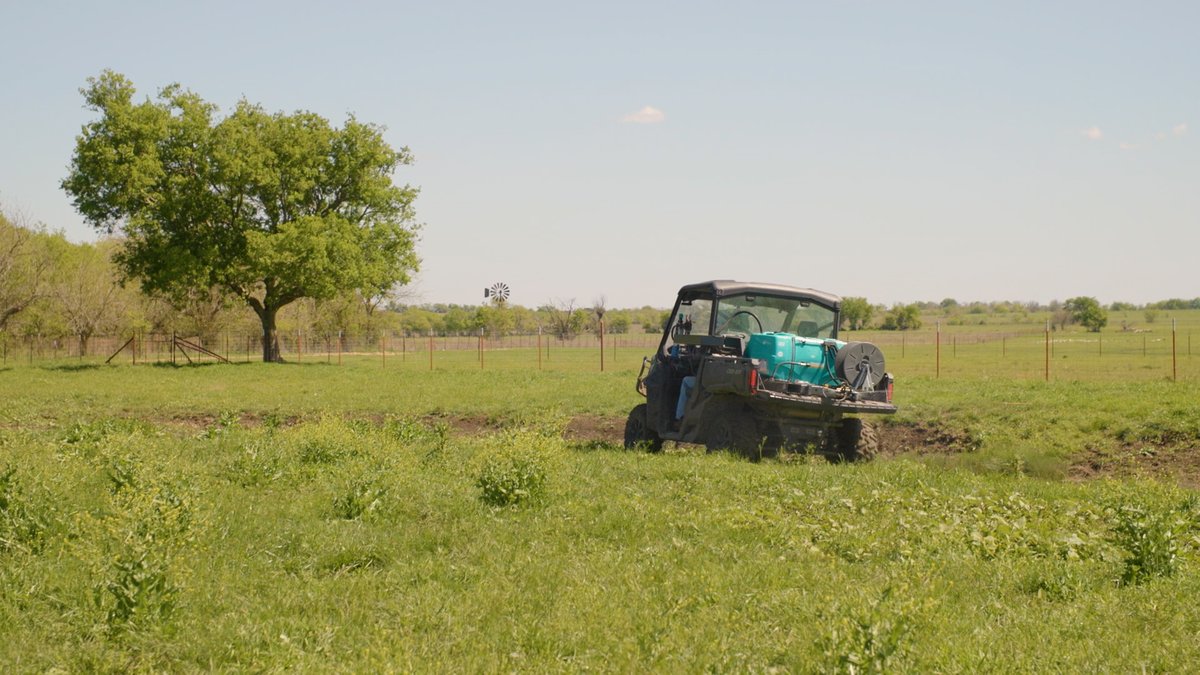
(938, 351)
(1047, 351)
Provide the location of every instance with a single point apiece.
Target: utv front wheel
(638, 433)
(856, 441)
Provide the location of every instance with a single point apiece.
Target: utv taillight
(753, 379)
(891, 386)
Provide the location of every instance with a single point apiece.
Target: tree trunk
(270, 336)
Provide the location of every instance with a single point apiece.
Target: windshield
(752, 313)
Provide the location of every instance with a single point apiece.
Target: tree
(27, 259)
(856, 312)
(87, 292)
(618, 322)
(903, 317)
(1087, 312)
(270, 208)
(563, 319)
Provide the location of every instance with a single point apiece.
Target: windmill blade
(498, 291)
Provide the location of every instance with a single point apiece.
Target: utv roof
(723, 287)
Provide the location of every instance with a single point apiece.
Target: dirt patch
(1172, 462)
(580, 429)
(596, 429)
(923, 438)
(464, 425)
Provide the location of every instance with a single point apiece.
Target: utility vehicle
(756, 368)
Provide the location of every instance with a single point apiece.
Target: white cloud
(1179, 129)
(1092, 133)
(647, 115)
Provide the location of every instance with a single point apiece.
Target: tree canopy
(1087, 312)
(856, 312)
(268, 207)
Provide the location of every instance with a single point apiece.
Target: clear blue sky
(899, 151)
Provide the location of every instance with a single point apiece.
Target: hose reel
(860, 364)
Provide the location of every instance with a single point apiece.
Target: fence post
(431, 350)
(382, 350)
(938, 351)
(539, 347)
(340, 345)
(602, 344)
(1047, 350)
(481, 349)
(1174, 371)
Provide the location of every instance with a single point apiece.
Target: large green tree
(1087, 312)
(267, 207)
(856, 312)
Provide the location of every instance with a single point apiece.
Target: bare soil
(922, 438)
(1173, 462)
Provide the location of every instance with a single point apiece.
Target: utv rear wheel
(638, 433)
(729, 426)
(856, 441)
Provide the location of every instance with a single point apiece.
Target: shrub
(870, 640)
(1150, 540)
(133, 550)
(257, 464)
(328, 441)
(23, 526)
(361, 498)
(515, 468)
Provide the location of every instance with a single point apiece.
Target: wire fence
(294, 346)
(1018, 354)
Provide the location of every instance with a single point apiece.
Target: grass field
(322, 517)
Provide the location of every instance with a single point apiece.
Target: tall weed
(871, 639)
(133, 553)
(24, 522)
(1151, 540)
(515, 467)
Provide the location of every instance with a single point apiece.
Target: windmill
(498, 292)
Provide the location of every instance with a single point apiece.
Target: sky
(618, 150)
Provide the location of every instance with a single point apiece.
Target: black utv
(756, 368)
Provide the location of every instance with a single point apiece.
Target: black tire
(638, 434)
(730, 426)
(856, 441)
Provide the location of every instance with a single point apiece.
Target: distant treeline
(52, 288)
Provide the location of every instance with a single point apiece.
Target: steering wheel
(740, 311)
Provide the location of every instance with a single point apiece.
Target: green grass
(322, 517)
(682, 561)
